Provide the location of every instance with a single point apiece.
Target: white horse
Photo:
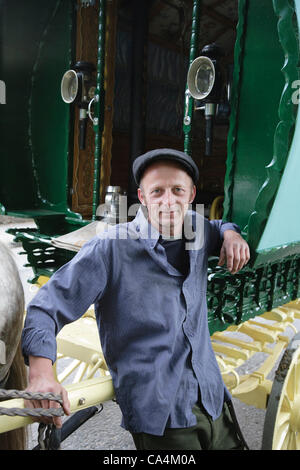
(12, 367)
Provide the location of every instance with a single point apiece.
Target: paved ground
(103, 431)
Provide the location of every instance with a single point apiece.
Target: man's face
(167, 190)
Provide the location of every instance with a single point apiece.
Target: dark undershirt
(176, 253)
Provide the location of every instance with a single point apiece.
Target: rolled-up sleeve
(64, 299)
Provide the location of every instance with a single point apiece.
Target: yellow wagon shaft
(81, 395)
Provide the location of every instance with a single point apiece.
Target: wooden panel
(83, 164)
(83, 160)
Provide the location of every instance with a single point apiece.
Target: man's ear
(193, 194)
(141, 196)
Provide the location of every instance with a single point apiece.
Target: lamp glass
(204, 78)
(201, 77)
(69, 86)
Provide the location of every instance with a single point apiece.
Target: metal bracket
(187, 118)
(94, 120)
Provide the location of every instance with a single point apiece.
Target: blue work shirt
(152, 320)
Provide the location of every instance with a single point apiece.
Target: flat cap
(143, 161)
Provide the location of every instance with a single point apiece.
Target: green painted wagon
(86, 86)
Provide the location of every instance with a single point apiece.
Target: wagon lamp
(203, 84)
(78, 86)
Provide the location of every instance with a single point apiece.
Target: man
(149, 293)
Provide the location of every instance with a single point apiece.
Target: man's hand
(41, 379)
(235, 251)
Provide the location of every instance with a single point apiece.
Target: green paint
(260, 184)
(283, 224)
(37, 48)
(261, 85)
(99, 106)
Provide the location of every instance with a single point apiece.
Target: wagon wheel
(79, 355)
(282, 422)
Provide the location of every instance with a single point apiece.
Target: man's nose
(169, 197)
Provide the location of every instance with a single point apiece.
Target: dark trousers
(207, 434)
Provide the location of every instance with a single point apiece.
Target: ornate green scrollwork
(233, 299)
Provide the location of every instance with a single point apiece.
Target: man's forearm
(40, 366)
